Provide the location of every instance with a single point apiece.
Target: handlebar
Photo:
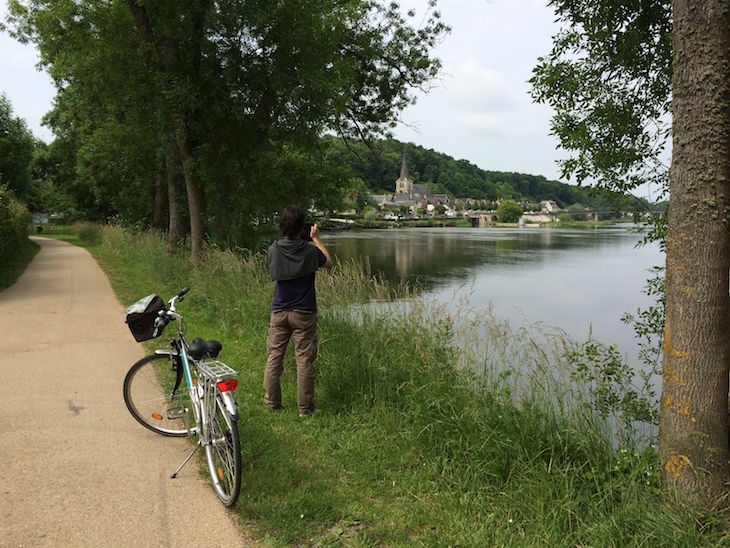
(177, 298)
(166, 315)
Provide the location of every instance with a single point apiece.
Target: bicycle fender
(230, 404)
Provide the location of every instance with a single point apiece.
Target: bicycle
(159, 400)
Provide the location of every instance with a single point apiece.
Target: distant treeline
(378, 165)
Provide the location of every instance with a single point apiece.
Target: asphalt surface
(75, 468)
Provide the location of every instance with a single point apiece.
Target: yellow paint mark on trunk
(670, 350)
(674, 353)
(675, 465)
(683, 408)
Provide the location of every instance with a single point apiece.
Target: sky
(480, 110)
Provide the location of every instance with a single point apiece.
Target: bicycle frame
(211, 393)
(212, 370)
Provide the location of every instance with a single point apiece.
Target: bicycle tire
(147, 394)
(223, 453)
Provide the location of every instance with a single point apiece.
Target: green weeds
(88, 233)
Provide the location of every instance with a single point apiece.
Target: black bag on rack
(142, 323)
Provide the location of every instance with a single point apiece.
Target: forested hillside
(377, 164)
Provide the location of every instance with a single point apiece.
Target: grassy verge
(16, 263)
(431, 433)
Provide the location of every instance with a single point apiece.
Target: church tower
(404, 184)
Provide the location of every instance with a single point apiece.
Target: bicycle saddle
(200, 348)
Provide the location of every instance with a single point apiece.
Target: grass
(14, 265)
(437, 428)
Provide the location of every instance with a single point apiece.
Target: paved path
(75, 468)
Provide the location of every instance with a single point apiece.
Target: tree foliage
(608, 77)
(16, 151)
(14, 223)
(509, 211)
(236, 94)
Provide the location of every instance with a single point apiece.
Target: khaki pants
(302, 327)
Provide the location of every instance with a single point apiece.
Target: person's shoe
(273, 408)
(309, 413)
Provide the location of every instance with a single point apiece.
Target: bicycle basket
(141, 318)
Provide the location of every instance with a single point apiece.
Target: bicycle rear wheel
(223, 453)
(148, 393)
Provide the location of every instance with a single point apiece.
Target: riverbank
(409, 448)
(350, 223)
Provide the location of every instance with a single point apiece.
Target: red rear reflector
(225, 386)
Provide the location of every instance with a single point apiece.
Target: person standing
(293, 262)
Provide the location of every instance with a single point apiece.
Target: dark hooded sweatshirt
(292, 264)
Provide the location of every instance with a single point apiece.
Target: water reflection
(579, 280)
(438, 257)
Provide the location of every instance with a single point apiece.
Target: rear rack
(216, 371)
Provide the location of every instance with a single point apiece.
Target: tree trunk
(158, 205)
(196, 199)
(176, 200)
(693, 441)
(161, 64)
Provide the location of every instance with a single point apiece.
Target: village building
(549, 206)
(407, 193)
(410, 197)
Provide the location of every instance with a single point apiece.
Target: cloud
(482, 111)
(475, 85)
(480, 123)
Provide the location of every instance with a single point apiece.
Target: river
(580, 280)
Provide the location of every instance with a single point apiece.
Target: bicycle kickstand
(190, 456)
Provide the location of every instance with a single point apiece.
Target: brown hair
(292, 221)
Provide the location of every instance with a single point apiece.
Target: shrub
(14, 222)
(565, 218)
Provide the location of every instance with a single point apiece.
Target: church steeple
(404, 184)
(404, 167)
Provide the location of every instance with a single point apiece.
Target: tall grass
(438, 427)
(88, 233)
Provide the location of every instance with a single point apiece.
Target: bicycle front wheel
(224, 453)
(151, 396)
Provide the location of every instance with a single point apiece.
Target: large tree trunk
(693, 441)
